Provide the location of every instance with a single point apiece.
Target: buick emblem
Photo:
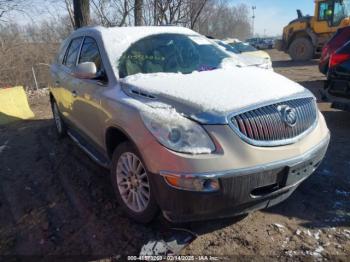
(288, 115)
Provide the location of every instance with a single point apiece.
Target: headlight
(177, 132)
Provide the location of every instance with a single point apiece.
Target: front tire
(132, 185)
(301, 49)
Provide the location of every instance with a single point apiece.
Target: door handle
(74, 93)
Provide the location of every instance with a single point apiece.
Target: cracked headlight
(177, 132)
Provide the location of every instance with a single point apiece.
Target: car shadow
(290, 63)
(7, 119)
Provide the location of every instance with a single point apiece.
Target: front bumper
(241, 190)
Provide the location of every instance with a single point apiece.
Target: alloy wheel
(132, 182)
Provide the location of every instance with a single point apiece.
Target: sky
(270, 15)
(273, 15)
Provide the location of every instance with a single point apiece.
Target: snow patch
(346, 233)
(317, 235)
(278, 225)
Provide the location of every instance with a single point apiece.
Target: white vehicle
(246, 57)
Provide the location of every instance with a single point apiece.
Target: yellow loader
(304, 37)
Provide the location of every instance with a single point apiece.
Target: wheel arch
(114, 136)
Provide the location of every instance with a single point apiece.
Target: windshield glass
(228, 47)
(171, 53)
(341, 10)
(346, 6)
(243, 47)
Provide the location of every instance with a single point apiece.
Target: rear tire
(132, 184)
(301, 49)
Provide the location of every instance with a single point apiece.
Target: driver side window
(322, 11)
(90, 53)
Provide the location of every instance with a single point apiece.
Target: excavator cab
(331, 15)
(304, 37)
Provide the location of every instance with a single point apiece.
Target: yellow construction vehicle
(304, 37)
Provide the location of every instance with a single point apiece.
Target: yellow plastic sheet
(14, 105)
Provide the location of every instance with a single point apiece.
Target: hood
(260, 54)
(210, 96)
(252, 60)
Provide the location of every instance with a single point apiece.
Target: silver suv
(184, 127)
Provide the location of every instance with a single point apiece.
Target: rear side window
(90, 53)
(72, 52)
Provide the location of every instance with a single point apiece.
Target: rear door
(64, 81)
(87, 109)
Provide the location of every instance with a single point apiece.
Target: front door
(87, 104)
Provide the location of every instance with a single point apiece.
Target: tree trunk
(81, 13)
(155, 13)
(138, 12)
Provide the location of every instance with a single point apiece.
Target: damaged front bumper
(241, 191)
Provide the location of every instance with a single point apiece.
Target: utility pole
(253, 18)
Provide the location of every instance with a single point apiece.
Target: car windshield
(243, 47)
(346, 7)
(341, 10)
(171, 53)
(228, 47)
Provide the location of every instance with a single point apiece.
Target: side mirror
(86, 70)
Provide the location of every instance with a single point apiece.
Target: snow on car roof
(117, 40)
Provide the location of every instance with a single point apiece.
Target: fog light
(192, 183)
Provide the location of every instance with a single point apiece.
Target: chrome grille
(266, 126)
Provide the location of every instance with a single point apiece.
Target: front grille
(267, 126)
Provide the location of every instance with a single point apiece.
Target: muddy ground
(55, 201)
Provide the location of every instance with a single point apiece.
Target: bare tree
(222, 20)
(195, 8)
(81, 13)
(112, 12)
(9, 6)
(70, 12)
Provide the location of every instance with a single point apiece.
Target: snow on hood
(219, 91)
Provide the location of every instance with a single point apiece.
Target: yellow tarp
(14, 105)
